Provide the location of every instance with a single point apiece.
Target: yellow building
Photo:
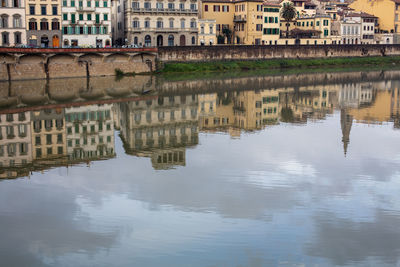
(48, 134)
(207, 32)
(271, 17)
(243, 18)
(43, 19)
(248, 21)
(387, 11)
(222, 11)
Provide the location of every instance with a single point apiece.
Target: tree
(288, 12)
(228, 34)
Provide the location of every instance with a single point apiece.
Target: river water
(279, 170)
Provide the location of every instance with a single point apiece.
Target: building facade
(117, 22)
(271, 22)
(43, 19)
(90, 132)
(15, 143)
(86, 23)
(12, 22)
(161, 23)
(207, 33)
(48, 134)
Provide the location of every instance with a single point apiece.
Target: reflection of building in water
(346, 120)
(383, 107)
(395, 106)
(300, 104)
(160, 128)
(48, 134)
(90, 132)
(248, 110)
(15, 143)
(356, 95)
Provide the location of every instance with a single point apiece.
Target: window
(159, 24)
(135, 23)
(17, 21)
(171, 23)
(183, 24)
(65, 16)
(211, 29)
(105, 3)
(206, 8)
(193, 24)
(147, 23)
(159, 5)
(17, 37)
(32, 25)
(72, 3)
(105, 17)
(48, 139)
(147, 5)
(216, 8)
(80, 16)
(96, 3)
(54, 8)
(171, 6)
(225, 8)
(32, 10)
(97, 17)
(135, 5)
(72, 18)
(181, 6)
(44, 25)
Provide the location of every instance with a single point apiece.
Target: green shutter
(65, 16)
(89, 17)
(105, 4)
(105, 17)
(80, 16)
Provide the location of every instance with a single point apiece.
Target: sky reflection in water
(240, 187)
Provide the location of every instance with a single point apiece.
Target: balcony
(85, 9)
(239, 19)
(165, 11)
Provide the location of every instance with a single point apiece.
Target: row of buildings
(162, 128)
(102, 23)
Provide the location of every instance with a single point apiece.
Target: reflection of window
(161, 115)
(11, 149)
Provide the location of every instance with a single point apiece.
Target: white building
(86, 23)
(368, 25)
(15, 143)
(117, 22)
(12, 22)
(350, 31)
(90, 132)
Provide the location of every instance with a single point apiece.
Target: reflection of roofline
(36, 165)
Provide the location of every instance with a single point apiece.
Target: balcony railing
(85, 8)
(166, 10)
(163, 29)
(239, 19)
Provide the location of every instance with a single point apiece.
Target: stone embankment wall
(245, 52)
(26, 64)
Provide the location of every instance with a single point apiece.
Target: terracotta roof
(361, 14)
(271, 3)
